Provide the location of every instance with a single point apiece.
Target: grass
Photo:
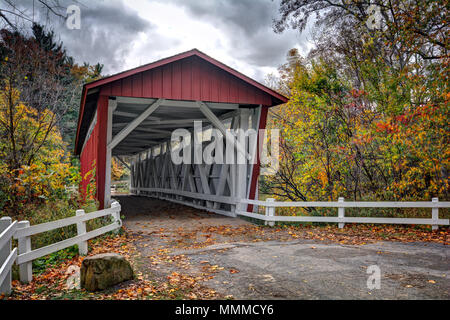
(54, 259)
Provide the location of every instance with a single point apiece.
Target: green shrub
(53, 259)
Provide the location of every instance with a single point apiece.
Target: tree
(39, 67)
(368, 115)
(404, 26)
(323, 123)
(33, 163)
(410, 37)
(38, 84)
(41, 78)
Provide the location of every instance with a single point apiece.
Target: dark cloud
(248, 16)
(249, 26)
(264, 48)
(108, 30)
(111, 30)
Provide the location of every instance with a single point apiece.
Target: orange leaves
(52, 283)
(355, 93)
(174, 278)
(386, 127)
(191, 285)
(211, 268)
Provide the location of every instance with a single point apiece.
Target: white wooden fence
(270, 215)
(7, 256)
(270, 204)
(23, 232)
(178, 196)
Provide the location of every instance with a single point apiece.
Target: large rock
(104, 270)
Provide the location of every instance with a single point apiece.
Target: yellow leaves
(37, 146)
(117, 170)
(216, 267)
(293, 235)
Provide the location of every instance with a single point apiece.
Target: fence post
(270, 212)
(435, 215)
(341, 213)
(25, 269)
(116, 214)
(5, 287)
(81, 229)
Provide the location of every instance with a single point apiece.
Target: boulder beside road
(105, 270)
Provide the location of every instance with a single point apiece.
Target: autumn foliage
(39, 90)
(368, 116)
(36, 173)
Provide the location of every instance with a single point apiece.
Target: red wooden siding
(257, 165)
(94, 152)
(188, 79)
(88, 159)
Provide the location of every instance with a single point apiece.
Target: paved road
(296, 270)
(280, 269)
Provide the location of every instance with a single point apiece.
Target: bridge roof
(191, 75)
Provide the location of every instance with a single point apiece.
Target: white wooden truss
(141, 130)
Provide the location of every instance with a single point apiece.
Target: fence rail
(350, 204)
(270, 204)
(117, 184)
(341, 219)
(22, 231)
(7, 256)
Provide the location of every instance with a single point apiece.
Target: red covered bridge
(133, 113)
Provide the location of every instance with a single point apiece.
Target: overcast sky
(122, 34)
